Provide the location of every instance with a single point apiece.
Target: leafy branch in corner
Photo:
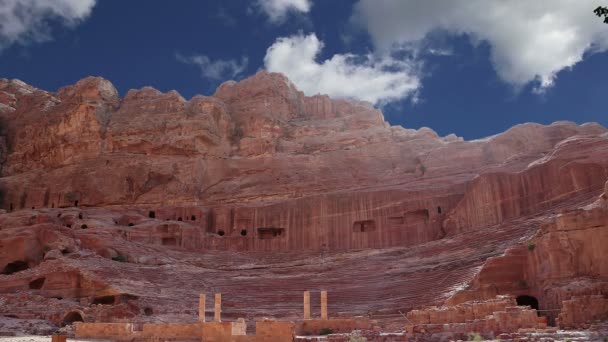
(602, 11)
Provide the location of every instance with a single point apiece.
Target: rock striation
(125, 209)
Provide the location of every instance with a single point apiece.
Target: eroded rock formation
(124, 209)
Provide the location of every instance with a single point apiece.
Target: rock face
(127, 208)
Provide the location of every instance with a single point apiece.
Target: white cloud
(369, 78)
(531, 41)
(24, 21)
(277, 10)
(215, 70)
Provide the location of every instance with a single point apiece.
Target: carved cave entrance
(270, 233)
(71, 317)
(14, 267)
(364, 226)
(104, 300)
(169, 241)
(37, 284)
(527, 300)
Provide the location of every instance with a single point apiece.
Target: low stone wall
(486, 318)
(339, 325)
(266, 331)
(115, 331)
(274, 331)
(460, 313)
(176, 331)
(210, 331)
(216, 332)
(582, 309)
(512, 319)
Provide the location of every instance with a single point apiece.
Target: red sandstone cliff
(169, 185)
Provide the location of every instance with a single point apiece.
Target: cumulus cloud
(215, 70)
(24, 21)
(530, 41)
(370, 78)
(277, 10)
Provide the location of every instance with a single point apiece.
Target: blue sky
(457, 72)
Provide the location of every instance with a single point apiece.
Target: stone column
(218, 307)
(201, 308)
(306, 305)
(323, 304)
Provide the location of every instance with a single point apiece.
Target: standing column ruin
(306, 304)
(323, 304)
(218, 307)
(201, 308)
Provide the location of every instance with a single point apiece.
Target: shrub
(531, 246)
(475, 337)
(326, 331)
(356, 337)
(422, 169)
(71, 196)
(120, 258)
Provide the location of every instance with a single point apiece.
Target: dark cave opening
(72, 317)
(265, 233)
(527, 300)
(105, 300)
(169, 241)
(152, 214)
(14, 267)
(364, 226)
(37, 284)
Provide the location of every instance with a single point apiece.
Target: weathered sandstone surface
(125, 209)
